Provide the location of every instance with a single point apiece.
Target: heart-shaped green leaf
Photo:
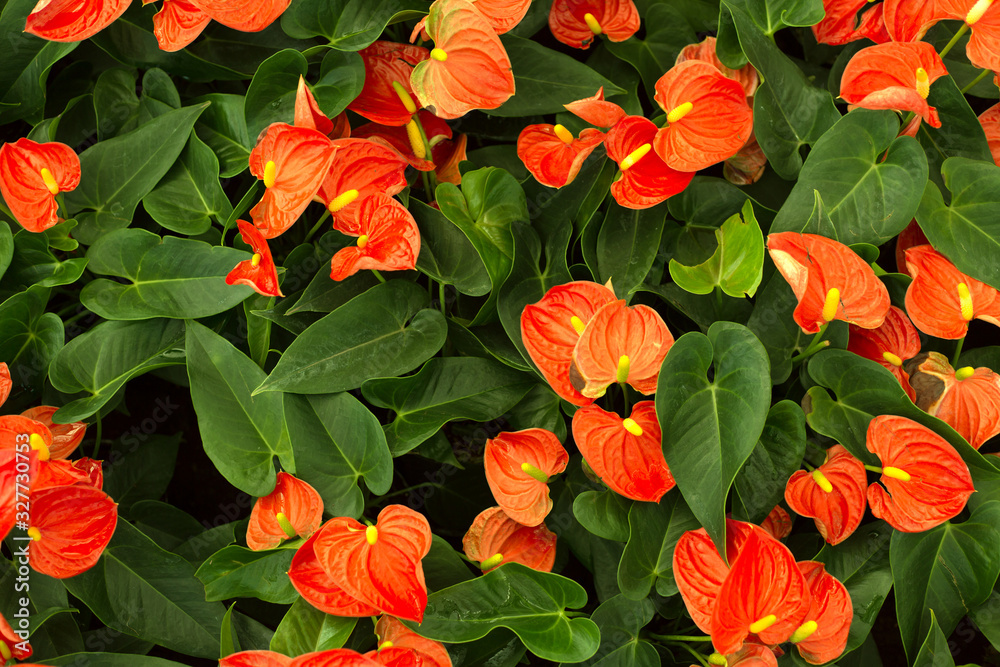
(648, 559)
(760, 483)
(238, 572)
(305, 629)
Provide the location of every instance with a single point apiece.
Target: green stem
(242, 207)
(97, 438)
(697, 656)
(430, 180)
(625, 399)
(954, 40)
(808, 467)
(319, 223)
(815, 345)
(874, 469)
(378, 275)
(958, 352)
(441, 297)
(681, 638)
(972, 84)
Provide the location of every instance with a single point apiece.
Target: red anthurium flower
(292, 162)
(448, 155)
(764, 594)
(596, 111)
(518, 468)
(577, 22)
(645, 178)
(178, 23)
(9, 486)
(468, 68)
(823, 635)
(833, 494)
(890, 344)
(503, 15)
(60, 472)
(255, 659)
(908, 20)
(894, 76)
(310, 579)
(708, 118)
(73, 20)
(967, 399)
(362, 168)
(553, 155)
(392, 656)
(388, 239)
(911, 236)
(390, 629)
(11, 645)
(925, 480)
(705, 52)
(387, 98)
(842, 23)
(293, 508)
(495, 539)
(620, 344)
(984, 21)
(65, 437)
(15, 429)
(340, 657)
(244, 15)
(778, 523)
(829, 280)
(6, 384)
(750, 655)
(70, 526)
(31, 175)
(990, 120)
(627, 453)
(408, 145)
(259, 272)
(941, 300)
(551, 328)
(309, 115)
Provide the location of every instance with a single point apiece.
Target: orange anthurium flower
(708, 118)
(387, 98)
(6, 384)
(551, 328)
(890, 344)
(627, 453)
(829, 280)
(178, 23)
(705, 52)
(9, 488)
(620, 344)
(292, 162)
(553, 155)
(503, 15)
(990, 120)
(468, 68)
(842, 23)
(73, 20)
(778, 523)
(908, 20)
(984, 21)
(14, 428)
(941, 300)
(362, 168)
(596, 111)
(645, 178)
(764, 594)
(378, 565)
(255, 659)
(388, 239)
(293, 508)
(70, 526)
(911, 236)
(12, 644)
(340, 657)
(749, 655)
(925, 480)
(259, 272)
(448, 155)
(309, 115)
(577, 22)
(518, 468)
(833, 494)
(31, 175)
(495, 539)
(243, 15)
(436, 130)
(894, 76)
(311, 580)
(65, 437)
(60, 473)
(967, 399)
(390, 629)
(822, 637)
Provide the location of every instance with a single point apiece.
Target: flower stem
(958, 352)
(982, 75)
(954, 40)
(319, 223)
(441, 297)
(874, 469)
(378, 275)
(815, 345)
(97, 437)
(682, 638)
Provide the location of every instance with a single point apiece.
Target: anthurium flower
(990, 120)
(704, 51)
(749, 655)
(984, 21)
(388, 239)
(747, 166)
(340, 657)
(6, 384)
(911, 236)
(908, 20)
(778, 523)
(503, 15)
(11, 645)
(311, 580)
(941, 300)
(645, 179)
(65, 437)
(518, 468)
(362, 168)
(8, 486)
(843, 24)
(551, 328)
(255, 659)
(829, 280)
(620, 344)
(764, 594)
(553, 155)
(832, 494)
(31, 175)
(890, 344)
(411, 147)
(708, 118)
(259, 272)
(243, 15)
(494, 539)
(309, 115)
(626, 453)
(822, 637)
(292, 162)
(391, 630)
(292, 508)
(924, 480)
(577, 22)
(387, 98)
(967, 399)
(448, 155)
(894, 76)
(62, 473)
(178, 23)
(14, 428)
(70, 526)
(468, 68)
(596, 111)
(73, 20)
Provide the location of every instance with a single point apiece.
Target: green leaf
(737, 264)
(935, 651)
(443, 390)
(224, 128)
(532, 604)
(101, 361)
(603, 513)
(145, 476)
(337, 441)
(967, 231)
(760, 483)
(870, 194)
(385, 332)
(446, 254)
(627, 246)
(238, 572)
(305, 629)
(190, 194)
(6, 247)
(31, 337)
(169, 277)
(667, 32)
(773, 15)
(119, 172)
(710, 428)
(443, 566)
(240, 433)
(950, 569)
(349, 25)
(987, 619)
(34, 264)
(961, 136)
(546, 79)
(229, 642)
(110, 660)
(620, 620)
(654, 529)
